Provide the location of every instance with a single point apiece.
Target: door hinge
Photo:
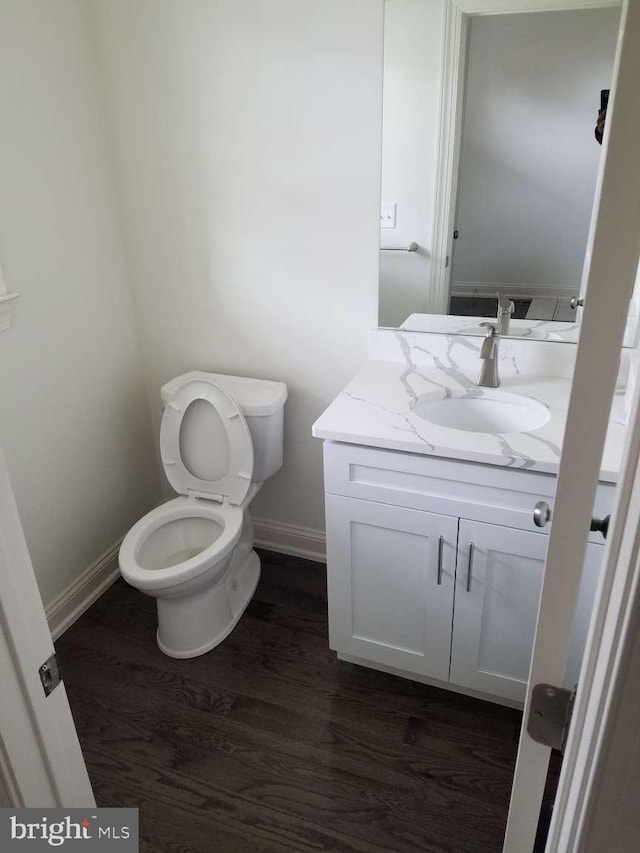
(550, 715)
(50, 674)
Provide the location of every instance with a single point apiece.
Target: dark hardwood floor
(269, 743)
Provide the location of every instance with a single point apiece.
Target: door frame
(41, 763)
(449, 131)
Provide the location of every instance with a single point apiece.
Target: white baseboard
(78, 597)
(290, 539)
(72, 602)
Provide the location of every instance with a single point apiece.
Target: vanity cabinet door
(391, 577)
(498, 582)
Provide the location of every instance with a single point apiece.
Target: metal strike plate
(50, 675)
(550, 715)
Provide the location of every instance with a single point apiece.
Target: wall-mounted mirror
(490, 161)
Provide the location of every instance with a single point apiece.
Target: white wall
(73, 418)
(412, 72)
(247, 138)
(529, 159)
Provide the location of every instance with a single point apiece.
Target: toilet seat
(233, 485)
(229, 518)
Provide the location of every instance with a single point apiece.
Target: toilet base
(185, 625)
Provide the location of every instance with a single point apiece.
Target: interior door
(610, 269)
(40, 759)
(390, 584)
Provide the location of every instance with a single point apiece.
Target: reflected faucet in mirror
(506, 307)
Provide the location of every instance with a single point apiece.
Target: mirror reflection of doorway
(529, 159)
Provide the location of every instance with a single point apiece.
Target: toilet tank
(261, 402)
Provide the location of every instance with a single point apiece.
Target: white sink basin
(494, 412)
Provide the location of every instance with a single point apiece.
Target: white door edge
(610, 269)
(41, 763)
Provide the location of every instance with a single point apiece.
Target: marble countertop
(376, 409)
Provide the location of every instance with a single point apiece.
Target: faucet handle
(492, 329)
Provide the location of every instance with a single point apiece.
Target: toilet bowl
(194, 554)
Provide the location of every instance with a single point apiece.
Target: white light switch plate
(388, 214)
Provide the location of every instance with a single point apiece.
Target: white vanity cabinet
(435, 567)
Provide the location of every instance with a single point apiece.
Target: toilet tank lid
(255, 397)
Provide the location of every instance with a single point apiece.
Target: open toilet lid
(234, 482)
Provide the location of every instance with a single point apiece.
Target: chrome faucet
(505, 309)
(489, 354)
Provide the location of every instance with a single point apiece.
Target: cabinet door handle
(440, 547)
(470, 566)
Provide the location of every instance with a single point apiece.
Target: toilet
(220, 438)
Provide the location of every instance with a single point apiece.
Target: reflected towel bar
(412, 247)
